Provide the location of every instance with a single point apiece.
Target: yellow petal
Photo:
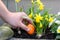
(38, 1)
(58, 30)
(41, 7)
(41, 25)
(32, 1)
(37, 20)
(41, 18)
(30, 15)
(17, 1)
(50, 19)
(36, 15)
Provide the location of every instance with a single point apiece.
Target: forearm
(3, 10)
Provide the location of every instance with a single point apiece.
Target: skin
(14, 18)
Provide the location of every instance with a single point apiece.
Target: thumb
(23, 26)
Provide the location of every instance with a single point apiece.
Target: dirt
(47, 35)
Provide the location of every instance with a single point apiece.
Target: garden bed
(25, 35)
(47, 35)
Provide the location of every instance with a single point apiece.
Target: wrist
(5, 15)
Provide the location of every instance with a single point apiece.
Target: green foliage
(54, 27)
(42, 19)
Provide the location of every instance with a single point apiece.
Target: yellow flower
(38, 1)
(41, 25)
(30, 15)
(17, 1)
(50, 19)
(32, 1)
(38, 18)
(41, 6)
(58, 29)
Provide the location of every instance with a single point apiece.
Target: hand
(15, 19)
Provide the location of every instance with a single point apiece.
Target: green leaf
(54, 27)
(38, 29)
(28, 11)
(45, 12)
(58, 18)
(58, 37)
(21, 9)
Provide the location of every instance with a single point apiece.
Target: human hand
(15, 19)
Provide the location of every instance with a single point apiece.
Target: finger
(14, 27)
(21, 25)
(28, 19)
(24, 14)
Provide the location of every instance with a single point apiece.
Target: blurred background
(54, 5)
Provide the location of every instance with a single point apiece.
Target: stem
(16, 5)
(7, 3)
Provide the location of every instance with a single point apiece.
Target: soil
(24, 35)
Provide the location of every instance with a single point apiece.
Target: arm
(13, 18)
(3, 10)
